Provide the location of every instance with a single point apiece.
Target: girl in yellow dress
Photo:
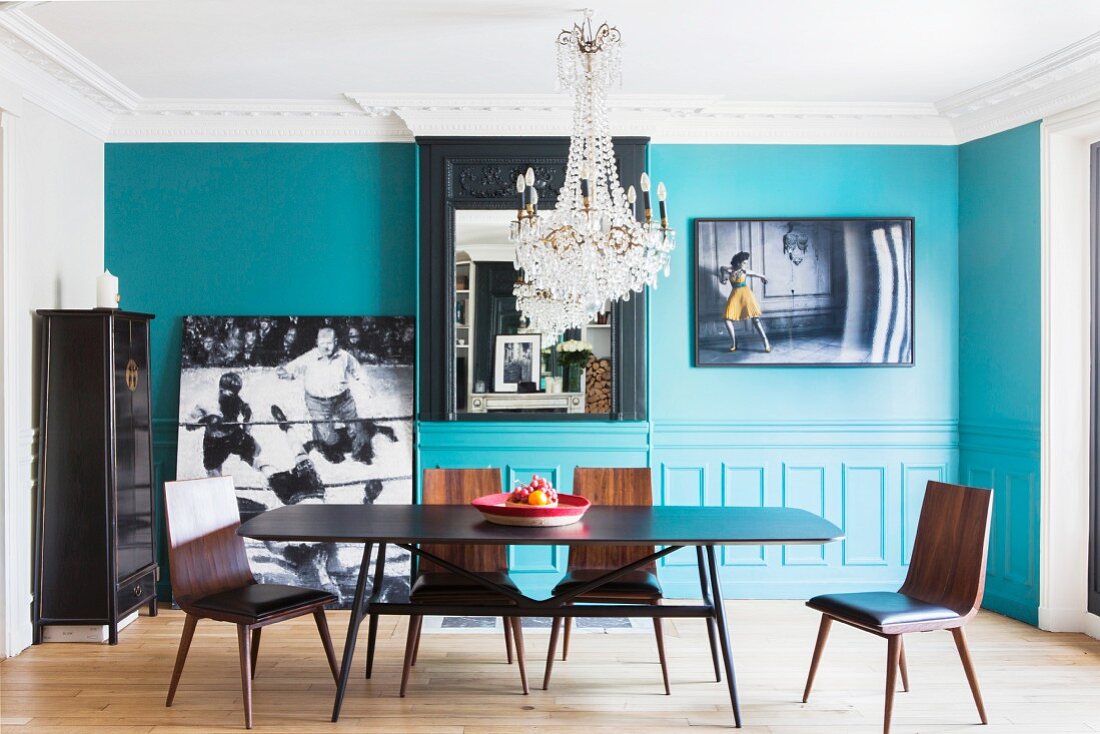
(742, 303)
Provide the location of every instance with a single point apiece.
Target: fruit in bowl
(538, 493)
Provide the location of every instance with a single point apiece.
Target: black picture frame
(750, 345)
(501, 383)
(479, 173)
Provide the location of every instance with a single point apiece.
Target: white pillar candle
(106, 287)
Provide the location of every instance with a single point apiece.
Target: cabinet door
(133, 498)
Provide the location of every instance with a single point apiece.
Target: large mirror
(478, 358)
(501, 365)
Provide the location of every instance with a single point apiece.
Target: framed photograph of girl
(827, 292)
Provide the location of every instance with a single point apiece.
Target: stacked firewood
(597, 386)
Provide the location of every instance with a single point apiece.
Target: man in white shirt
(325, 371)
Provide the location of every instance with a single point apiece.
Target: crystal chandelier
(591, 249)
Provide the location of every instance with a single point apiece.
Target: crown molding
(44, 90)
(62, 80)
(667, 118)
(1059, 81)
(190, 120)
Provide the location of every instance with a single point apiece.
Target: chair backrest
(949, 552)
(609, 487)
(205, 554)
(460, 487)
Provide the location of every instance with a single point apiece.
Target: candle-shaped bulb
(521, 189)
(645, 183)
(662, 192)
(631, 195)
(529, 177)
(645, 198)
(534, 197)
(521, 183)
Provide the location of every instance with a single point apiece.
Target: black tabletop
(599, 526)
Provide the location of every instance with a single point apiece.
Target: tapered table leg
(353, 631)
(705, 586)
(723, 632)
(372, 626)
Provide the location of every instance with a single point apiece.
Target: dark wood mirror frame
(480, 173)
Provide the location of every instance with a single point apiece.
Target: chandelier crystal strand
(590, 249)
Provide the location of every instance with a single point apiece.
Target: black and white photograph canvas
(517, 360)
(804, 292)
(302, 410)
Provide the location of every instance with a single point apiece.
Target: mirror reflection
(501, 365)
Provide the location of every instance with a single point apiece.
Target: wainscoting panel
(1005, 458)
(743, 486)
(863, 495)
(867, 477)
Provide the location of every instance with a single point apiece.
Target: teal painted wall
(287, 228)
(856, 445)
(305, 229)
(1000, 353)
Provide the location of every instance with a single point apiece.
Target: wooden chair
(211, 578)
(435, 585)
(610, 487)
(942, 590)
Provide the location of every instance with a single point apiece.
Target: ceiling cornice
(1060, 81)
(92, 98)
(667, 118)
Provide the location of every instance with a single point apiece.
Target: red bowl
(496, 508)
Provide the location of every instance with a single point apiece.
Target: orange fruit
(538, 497)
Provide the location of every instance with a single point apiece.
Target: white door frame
(1066, 363)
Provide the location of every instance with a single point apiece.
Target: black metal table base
(524, 606)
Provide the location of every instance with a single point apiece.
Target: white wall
(1064, 528)
(53, 249)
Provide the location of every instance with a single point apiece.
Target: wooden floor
(1034, 682)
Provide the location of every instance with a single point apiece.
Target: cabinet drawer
(136, 591)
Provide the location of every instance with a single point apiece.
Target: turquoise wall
(317, 228)
(856, 445)
(1000, 353)
(304, 229)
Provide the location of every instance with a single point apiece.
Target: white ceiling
(748, 50)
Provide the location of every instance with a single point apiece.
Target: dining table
(666, 528)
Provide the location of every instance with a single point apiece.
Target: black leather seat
(631, 583)
(880, 608)
(261, 600)
(449, 588)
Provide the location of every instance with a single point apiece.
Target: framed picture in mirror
(516, 359)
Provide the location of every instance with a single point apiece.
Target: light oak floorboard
(1033, 682)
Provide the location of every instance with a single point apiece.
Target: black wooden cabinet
(95, 555)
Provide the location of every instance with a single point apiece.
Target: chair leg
(822, 635)
(968, 666)
(244, 642)
(893, 662)
(507, 638)
(416, 642)
(410, 646)
(902, 666)
(326, 640)
(565, 639)
(659, 633)
(189, 624)
(255, 649)
(517, 636)
(555, 630)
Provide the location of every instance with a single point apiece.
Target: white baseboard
(1092, 625)
(1065, 619)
